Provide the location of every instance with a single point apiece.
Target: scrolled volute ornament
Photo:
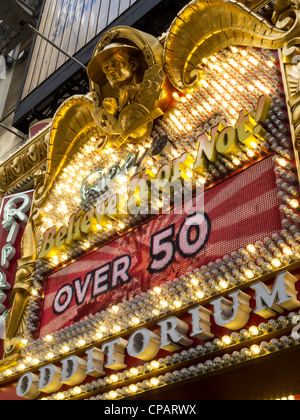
(15, 321)
(204, 27)
(3, 181)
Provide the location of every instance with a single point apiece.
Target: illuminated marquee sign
(165, 248)
(145, 345)
(132, 289)
(223, 140)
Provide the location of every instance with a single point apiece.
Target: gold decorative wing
(204, 27)
(73, 123)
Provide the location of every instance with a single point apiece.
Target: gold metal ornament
(128, 84)
(204, 27)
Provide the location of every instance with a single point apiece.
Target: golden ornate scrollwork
(3, 182)
(72, 125)
(204, 27)
(19, 299)
(255, 4)
(31, 157)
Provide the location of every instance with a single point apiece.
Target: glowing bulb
(253, 61)
(223, 284)
(113, 394)
(154, 381)
(287, 251)
(276, 263)
(294, 204)
(254, 331)
(136, 321)
(177, 304)
(154, 364)
(226, 340)
(249, 274)
(255, 350)
(134, 371)
(164, 303)
(133, 388)
(251, 248)
(236, 161)
(282, 162)
(200, 294)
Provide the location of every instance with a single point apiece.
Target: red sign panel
(14, 213)
(237, 212)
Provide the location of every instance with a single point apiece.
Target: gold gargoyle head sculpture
(128, 84)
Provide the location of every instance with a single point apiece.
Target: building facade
(150, 225)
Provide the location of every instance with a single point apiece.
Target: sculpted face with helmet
(129, 87)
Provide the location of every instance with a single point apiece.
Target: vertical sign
(14, 213)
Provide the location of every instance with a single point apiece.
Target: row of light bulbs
(207, 349)
(284, 169)
(280, 251)
(239, 268)
(222, 82)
